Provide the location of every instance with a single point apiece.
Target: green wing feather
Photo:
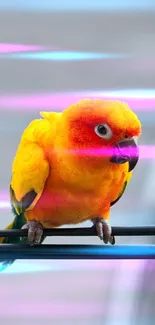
(120, 195)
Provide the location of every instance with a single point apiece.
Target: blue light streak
(81, 5)
(62, 56)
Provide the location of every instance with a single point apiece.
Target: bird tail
(17, 223)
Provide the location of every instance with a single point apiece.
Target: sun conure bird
(73, 166)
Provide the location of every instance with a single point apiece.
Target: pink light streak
(59, 310)
(12, 48)
(59, 101)
(96, 152)
(53, 309)
(146, 152)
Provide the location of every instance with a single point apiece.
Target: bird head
(105, 129)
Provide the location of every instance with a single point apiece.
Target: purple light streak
(59, 101)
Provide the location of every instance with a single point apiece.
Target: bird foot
(35, 232)
(103, 229)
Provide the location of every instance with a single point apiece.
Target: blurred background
(51, 55)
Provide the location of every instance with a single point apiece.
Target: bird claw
(103, 229)
(35, 232)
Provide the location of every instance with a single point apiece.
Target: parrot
(73, 166)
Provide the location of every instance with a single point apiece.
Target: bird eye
(103, 131)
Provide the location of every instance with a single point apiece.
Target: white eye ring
(103, 131)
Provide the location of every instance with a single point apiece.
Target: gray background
(63, 292)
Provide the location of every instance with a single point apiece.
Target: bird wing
(29, 173)
(124, 186)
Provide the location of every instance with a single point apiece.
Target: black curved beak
(126, 151)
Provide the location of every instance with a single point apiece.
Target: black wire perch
(22, 251)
